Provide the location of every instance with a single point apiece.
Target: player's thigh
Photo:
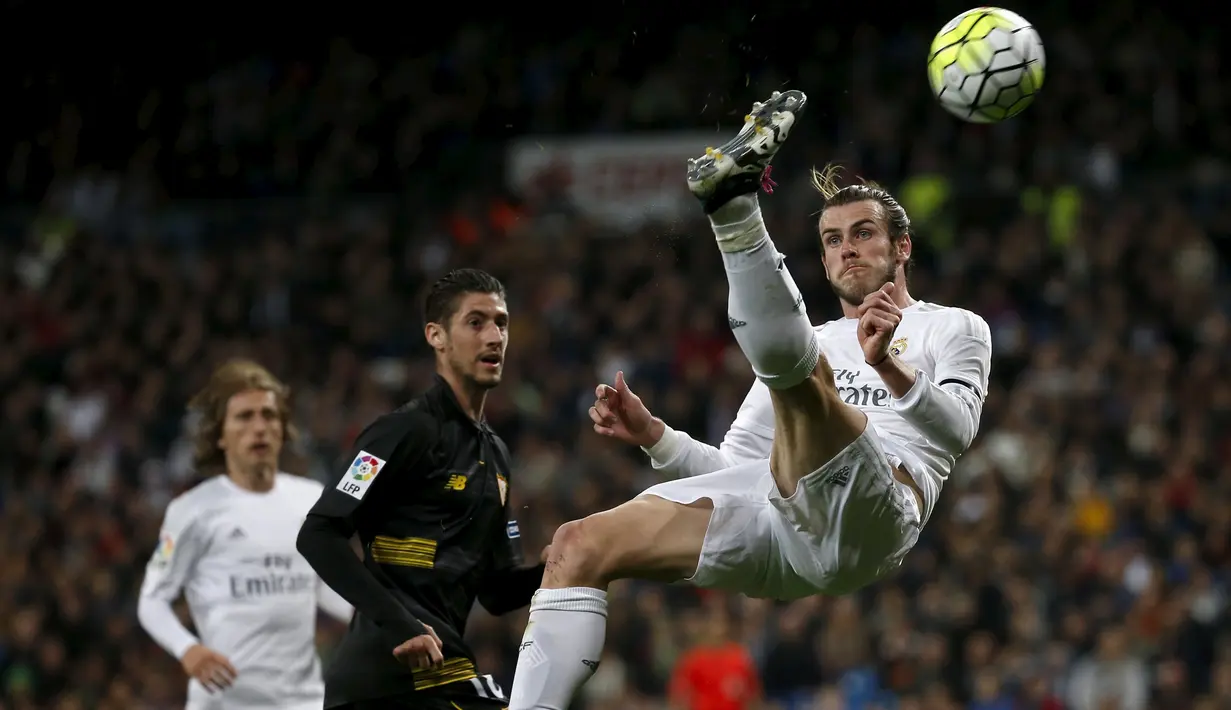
(738, 549)
(646, 538)
(812, 425)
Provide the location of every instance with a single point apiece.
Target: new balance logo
(238, 534)
(456, 482)
(839, 478)
(736, 323)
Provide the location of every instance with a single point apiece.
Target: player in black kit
(426, 488)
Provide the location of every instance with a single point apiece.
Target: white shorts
(255, 690)
(847, 525)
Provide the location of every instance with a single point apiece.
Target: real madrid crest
(898, 346)
(504, 488)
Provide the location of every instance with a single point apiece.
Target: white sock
(767, 312)
(560, 649)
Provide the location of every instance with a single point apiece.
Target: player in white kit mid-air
(836, 457)
(229, 545)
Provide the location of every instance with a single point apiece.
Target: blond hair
(825, 181)
(232, 378)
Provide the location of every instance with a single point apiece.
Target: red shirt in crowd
(715, 678)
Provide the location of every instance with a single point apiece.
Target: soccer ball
(986, 65)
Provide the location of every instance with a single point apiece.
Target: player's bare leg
(767, 312)
(646, 538)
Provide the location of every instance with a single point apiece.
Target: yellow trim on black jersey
(453, 670)
(404, 551)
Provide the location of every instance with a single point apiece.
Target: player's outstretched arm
(170, 568)
(393, 443)
(619, 413)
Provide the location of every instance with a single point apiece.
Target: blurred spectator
(716, 673)
(1111, 676)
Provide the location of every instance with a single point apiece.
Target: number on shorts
(487, 687)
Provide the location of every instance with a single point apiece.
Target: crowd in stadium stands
(1081, 554)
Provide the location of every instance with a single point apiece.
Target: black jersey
(426, 489)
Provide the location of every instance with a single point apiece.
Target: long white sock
(560, 649)
(765, 309)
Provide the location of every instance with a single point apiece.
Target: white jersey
(925, 431)
(252, 596)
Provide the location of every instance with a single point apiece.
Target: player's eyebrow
(860, 223)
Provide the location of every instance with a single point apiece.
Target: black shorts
(465, 695)
(428, 702)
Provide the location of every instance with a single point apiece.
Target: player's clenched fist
(422, 651)
(210, 668)
(620, 414)
(878, 319)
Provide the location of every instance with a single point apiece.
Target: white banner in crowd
(618, 180)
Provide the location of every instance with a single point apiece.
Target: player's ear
(905, 247)
(435, 335)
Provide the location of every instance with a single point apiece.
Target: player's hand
(878, 320)
(210, 668)
(421, 651)
(620, 414)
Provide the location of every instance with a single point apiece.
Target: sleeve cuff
(911, 399)
(182, 647)
(666, 448)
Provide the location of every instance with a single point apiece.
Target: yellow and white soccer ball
(986, 65)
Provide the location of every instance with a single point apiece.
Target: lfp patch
(166, 548)
(514, 531)
(359, 477)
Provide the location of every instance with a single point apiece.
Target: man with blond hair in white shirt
(838, 454)
(229, 546)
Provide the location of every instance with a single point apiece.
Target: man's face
(859, 257)
(252, 432)
(475, 339)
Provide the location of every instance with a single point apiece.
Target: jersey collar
(447, 400)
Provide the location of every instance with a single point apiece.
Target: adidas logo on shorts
(839, 478)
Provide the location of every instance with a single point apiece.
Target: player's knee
(576, 558)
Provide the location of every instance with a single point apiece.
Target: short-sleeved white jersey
(926, 430)
(252, 596)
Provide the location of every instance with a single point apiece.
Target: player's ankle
(732, 190)
(735, 210)
(738, 226)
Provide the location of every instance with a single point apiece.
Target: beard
(469, 374)
(856, 293)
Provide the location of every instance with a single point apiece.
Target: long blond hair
(232, 378)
